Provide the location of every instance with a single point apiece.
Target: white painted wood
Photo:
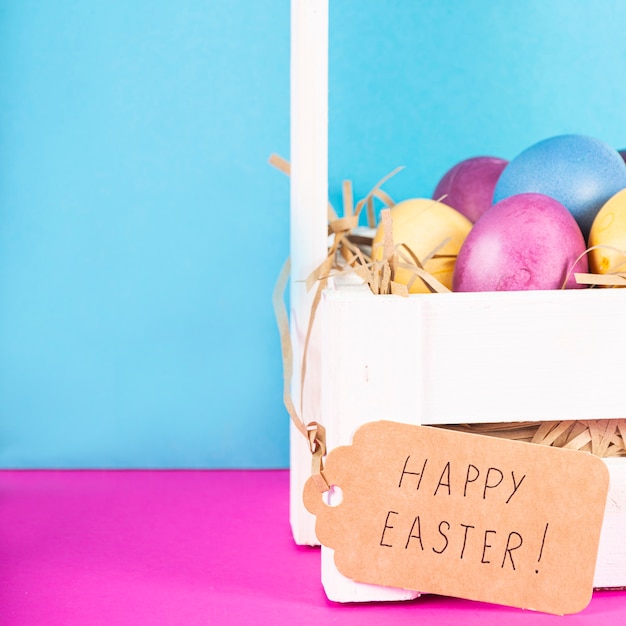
(542, 355)
(308, 226)
(472, 357)
(338, 588)
(611, 564)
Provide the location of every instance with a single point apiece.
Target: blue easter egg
(580, 172)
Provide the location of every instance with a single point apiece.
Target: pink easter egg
(527, 241)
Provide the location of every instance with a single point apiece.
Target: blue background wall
(141, 229)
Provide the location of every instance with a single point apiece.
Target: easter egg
(608, 231)
(581, 172)
(422, 225)
(469, 185)
(527, 241)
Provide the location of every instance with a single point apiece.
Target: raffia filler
(349, 251)
(604, 438)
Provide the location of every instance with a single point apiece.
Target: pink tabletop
(189, 548)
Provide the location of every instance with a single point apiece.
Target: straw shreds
(350, 250)
(604, 438)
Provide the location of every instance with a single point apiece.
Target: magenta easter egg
(469, 185)
(527, 241)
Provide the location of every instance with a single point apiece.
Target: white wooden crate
(433, 358)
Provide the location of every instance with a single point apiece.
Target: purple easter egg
(524, 242)
(581, 172)
(469, 185)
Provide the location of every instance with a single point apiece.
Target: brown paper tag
(450, 513)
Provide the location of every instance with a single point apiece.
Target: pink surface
(188, 548)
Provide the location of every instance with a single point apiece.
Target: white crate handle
(309, 157)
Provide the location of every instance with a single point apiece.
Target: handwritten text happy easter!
(459, 539)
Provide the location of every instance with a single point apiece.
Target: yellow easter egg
(422, 225)
(608, 231)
